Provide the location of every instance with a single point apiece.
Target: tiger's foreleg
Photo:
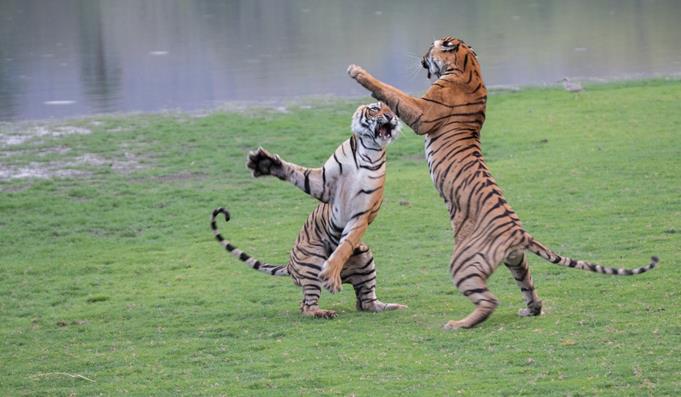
(517, 264)
(313, 181)
(331, 271)
(360, 271)
(406, 107)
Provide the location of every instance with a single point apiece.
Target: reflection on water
(72, 57)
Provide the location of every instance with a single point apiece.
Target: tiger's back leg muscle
(360, 271)
(516, 262)
(305, 263)
(470, 270)
(305, 269)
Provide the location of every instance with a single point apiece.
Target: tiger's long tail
(546, 253)
(273, 270)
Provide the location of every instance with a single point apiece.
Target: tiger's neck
(366, 153)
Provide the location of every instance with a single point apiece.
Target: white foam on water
(59, 102)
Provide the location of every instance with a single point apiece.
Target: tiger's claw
(261, 162)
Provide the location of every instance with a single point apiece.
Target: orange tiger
(486, 230)
(328, 250)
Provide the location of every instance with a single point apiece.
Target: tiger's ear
(450, 46)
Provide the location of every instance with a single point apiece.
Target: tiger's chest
(356, 194)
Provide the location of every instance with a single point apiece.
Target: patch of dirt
(39, 171)
(71, 168)
(17, 134)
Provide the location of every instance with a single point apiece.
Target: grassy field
(111, 283)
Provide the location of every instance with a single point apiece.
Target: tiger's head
(449, 56)
(376, 123)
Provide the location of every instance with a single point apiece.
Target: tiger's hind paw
(531, 310)
(261, 162)
(378, 306)
(320, 313)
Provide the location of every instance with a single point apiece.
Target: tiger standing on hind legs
(486, 230)
(328, 250)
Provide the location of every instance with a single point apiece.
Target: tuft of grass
(111, 283)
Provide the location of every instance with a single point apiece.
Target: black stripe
(353, 147)
(358, 214)
(474, 291)
(373, 168)
(458, 283)
(362, 191)
(307, 181)
(339, 163)
(476, 88)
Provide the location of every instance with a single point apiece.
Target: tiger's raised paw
(354, 70)
(261, 162)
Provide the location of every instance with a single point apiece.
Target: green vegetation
(111, 283)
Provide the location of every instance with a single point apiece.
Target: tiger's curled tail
(273, 270)
(546, 253)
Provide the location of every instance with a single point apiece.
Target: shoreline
(283, 105)
(40, 149)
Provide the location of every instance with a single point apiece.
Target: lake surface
(63, 58)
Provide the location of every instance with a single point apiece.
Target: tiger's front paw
(261, 162)
(354, 71)
(330, 281)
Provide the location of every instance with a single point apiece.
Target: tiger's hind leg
(305, 264)
(470, 271)
(516, 262)
(310, 304)
(360, 271)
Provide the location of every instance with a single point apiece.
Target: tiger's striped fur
(486, 230)
(328, 250)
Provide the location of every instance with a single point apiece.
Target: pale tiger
(329, 250)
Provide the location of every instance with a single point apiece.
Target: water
(62, 58)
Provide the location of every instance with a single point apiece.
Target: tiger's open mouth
(385, 131)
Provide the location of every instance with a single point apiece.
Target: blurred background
(63, 58)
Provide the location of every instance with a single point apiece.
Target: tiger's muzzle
(386, 128)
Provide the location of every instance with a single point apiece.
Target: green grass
(113, 274)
